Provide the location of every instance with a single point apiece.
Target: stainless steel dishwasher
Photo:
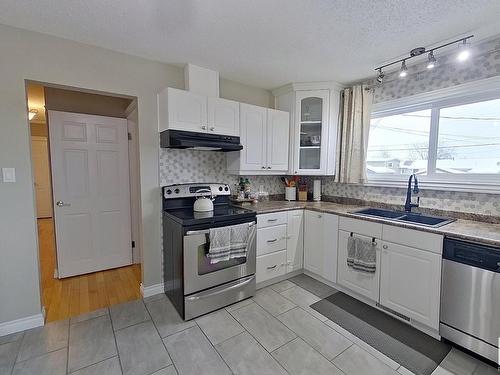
(470, 296)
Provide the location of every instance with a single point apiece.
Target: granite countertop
(470, 230)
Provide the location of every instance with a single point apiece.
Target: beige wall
(72, 64)
(82, 102)
(245, 94)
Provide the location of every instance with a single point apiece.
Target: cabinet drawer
(364, 227)
(271, 265)
(413, 238)
(271, 239)
(275, 218)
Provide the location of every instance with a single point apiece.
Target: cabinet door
(313, 242)
(311, 132)
(253, 126)
(223, 116)
(278, 131)
(295, 240)
(330, 246)
(187, 111)
(410, 282)
(365, 284)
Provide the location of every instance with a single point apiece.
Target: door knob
(62, 204)
(212, 129)
(204, 127)
(385, 247)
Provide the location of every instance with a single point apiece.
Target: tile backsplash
(185, 166)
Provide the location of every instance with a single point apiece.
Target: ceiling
(265, 43)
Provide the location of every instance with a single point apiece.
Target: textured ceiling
(266, 43)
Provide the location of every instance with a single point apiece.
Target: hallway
(65, 298)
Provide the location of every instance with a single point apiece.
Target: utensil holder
(290, 193)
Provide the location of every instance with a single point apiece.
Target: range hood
(199, 141)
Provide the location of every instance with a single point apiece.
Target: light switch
(9, 174)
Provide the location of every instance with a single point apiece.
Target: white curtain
(352, 137)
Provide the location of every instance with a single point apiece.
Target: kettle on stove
(204, 203)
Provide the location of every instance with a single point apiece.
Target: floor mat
(312, 285)
(413, 349)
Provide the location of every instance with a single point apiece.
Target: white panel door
(278, 132)
(253, 125)
(223, 116)
(89, 156)
(295, 240)
(41, 172)
(365, 284)
(187, 111)
(410, 282)
(313, 242)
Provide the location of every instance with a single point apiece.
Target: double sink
(405, 217)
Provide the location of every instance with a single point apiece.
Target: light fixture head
(463, 51)
(32, 113)
(431, 63)
(381, 75)
(403, 72)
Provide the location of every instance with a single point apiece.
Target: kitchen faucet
(408, 204)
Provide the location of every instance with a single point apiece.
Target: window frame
(483, 90)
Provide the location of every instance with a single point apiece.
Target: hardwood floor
(64, 298)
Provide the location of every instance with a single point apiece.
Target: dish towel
(239, 240)
(220, 244)
(361, 255)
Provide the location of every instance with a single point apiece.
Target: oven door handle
(207, 231)
(207, 294)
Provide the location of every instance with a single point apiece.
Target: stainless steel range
(195, 284)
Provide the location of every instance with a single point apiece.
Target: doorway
(84, 168)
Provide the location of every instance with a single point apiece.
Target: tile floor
(276, 332)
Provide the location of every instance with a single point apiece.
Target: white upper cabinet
(253, 126)
(262, 134)
(278, 130)
(189, 111)
(313, 126)
(182, 110)
(223, 116)
(311, 132)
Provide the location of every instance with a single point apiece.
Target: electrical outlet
(8, 174)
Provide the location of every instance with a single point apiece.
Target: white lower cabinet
(320, 244)
(410, 282)
(295, 240)
(280, 243)
(270, 266)
(365, 284)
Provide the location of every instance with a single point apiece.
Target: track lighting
(463, 51)
(403, 72)
(381, 76)
(463, 54)
(431, 60)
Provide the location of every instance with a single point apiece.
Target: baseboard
(278, 279)
(148, 291)
(22, 324)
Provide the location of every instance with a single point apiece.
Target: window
(444, 141)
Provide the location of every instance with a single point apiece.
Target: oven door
(200, 274)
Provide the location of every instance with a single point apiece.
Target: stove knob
(169, 191)
(226, 188)
(176, 191)
(220, 188)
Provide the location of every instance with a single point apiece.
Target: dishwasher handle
(472, 254)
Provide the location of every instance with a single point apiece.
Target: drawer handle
(385, 247)
(272, 267)
(272, 240)
(271, 220)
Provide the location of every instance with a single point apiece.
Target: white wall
(68, 63)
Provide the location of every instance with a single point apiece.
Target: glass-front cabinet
(311, 132)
